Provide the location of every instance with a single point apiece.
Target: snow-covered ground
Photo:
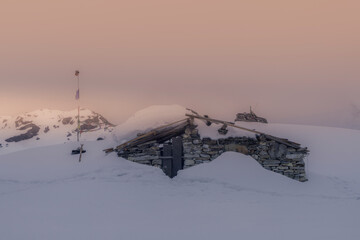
(45, 193)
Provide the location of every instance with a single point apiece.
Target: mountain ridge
(49, 124)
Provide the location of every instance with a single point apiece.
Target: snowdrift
(147, 119)
(45, 193)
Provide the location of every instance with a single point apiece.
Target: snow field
(45, 193)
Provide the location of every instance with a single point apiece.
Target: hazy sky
(292, 60)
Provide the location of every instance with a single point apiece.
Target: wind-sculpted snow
(239, 172)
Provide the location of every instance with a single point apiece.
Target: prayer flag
(77, 96)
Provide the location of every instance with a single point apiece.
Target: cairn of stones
(249, 117)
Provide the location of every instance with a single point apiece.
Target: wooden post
(81, 149)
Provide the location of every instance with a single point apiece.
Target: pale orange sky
(293, 61)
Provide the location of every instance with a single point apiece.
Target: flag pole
(80, 150)
(77, 73)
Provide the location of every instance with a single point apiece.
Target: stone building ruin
(181, 144)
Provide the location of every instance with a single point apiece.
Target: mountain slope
(44, 127)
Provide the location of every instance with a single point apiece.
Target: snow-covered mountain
(46, 193)
(45, 127)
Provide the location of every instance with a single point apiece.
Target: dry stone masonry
(270, 154)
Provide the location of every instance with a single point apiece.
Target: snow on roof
(147, 119)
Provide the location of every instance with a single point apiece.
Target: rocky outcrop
(20, 122)
(67, 120)
(94, 122)
(33, 131)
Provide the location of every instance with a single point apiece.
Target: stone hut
(275, 154)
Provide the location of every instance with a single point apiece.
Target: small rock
(46, 129)
(189, 162)
(191, 155)
(294, 156)
(281, 151)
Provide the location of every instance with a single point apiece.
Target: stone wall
(148, 153)
(271, 155)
